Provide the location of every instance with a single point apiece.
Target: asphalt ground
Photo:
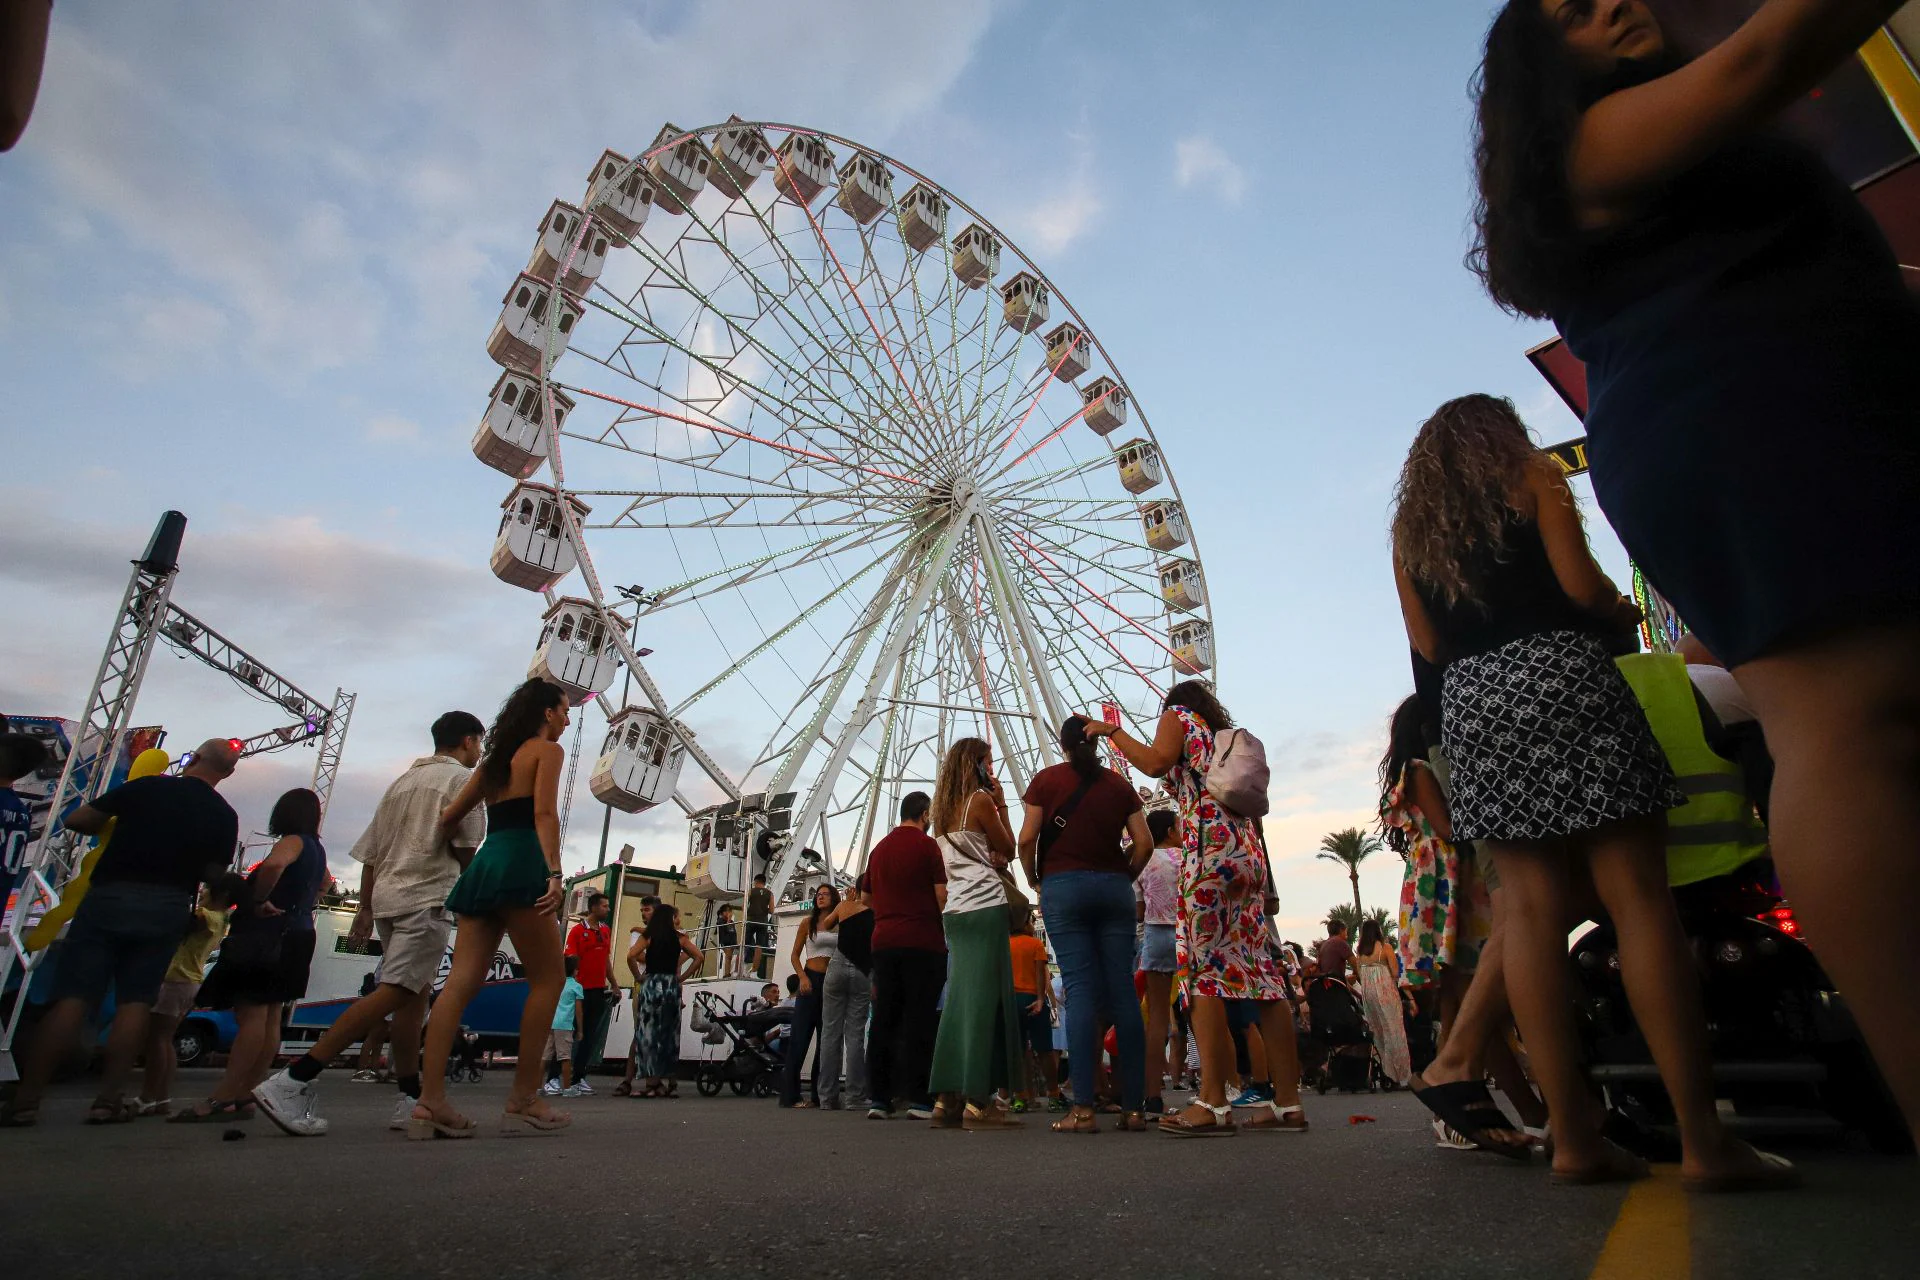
(735, 1187)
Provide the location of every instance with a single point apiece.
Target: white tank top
(972, 883)
(821, 945)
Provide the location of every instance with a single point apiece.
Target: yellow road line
(1650, 1239)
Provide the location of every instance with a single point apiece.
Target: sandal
(1470, 1111)
(162, 1108)
(989, 1119)
(1617, 1164)
(1219, 1123)
(945, 1119)
(1773, 1174)
(624, 1089)
(229, 1111)
(516, 1123)
(421, 1128)
(1133, 1121)
(1291, 1119)
(1077, 1122)
(111, 1111)
(19, 1117)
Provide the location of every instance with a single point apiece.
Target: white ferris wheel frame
(923, 559)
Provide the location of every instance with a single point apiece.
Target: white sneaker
(402, 1112)
(583, 1089)
(575, 1091)
(289, 1104)
(551, 1088)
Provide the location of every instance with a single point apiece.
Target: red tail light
(1781, 918)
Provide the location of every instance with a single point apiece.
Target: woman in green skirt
(978, 1050)
(512, 888)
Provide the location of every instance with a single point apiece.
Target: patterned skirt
(1546, 740)
(656, 1026)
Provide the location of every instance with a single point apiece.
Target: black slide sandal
(1468, 1109)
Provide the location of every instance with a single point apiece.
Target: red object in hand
(1361, 1120)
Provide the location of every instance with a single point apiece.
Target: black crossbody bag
(1057, 824)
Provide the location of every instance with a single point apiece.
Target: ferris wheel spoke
(668, 597)
(1056, 433)
(781, 633)
(932, 395)
(1041, 482)
(1029, 548)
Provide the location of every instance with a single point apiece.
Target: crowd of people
(1731, 301)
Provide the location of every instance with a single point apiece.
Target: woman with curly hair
(1754, 429)
(512, 888)
(1554, 766)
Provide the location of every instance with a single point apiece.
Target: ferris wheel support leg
(1014, 619)
(108, 710)
(931, 573)
(1009, 750)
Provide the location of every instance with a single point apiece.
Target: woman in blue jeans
(1076, 813)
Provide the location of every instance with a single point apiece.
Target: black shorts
(1036, 1029)
(282, 982)
(757, 935)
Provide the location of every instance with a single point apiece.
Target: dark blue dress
(1753, 360)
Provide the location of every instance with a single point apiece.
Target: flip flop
(1469, 1110)
(1774, 1174)
(1618, 1165)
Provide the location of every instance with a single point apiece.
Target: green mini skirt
(509, 871)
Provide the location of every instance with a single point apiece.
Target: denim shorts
(122, 937)
(1157, 950)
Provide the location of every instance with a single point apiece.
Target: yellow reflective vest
(1716, 830)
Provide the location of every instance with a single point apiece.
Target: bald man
(169, 834)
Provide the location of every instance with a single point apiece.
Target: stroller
(1340, 1031)
(464, 1061)
(751, 1067)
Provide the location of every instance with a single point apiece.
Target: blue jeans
(1089, 917)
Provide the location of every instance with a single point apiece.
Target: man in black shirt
(168, 835)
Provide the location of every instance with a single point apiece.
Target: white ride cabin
(639, 764)
(740, 156)
(804, 168)
(1165, 524)
(574, 651)
(512, 438)
(620, 196)
(1139, 465)
(532, 549)
(923, 217)
(1024, 302)
(681, 170)
(1181, 585)
(1067, 349)
(976, 256)
(1106, 402)
(520, 335)
(866, 187)
(1192, 640)
(555, 242)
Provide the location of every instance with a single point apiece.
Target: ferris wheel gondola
(885, 516)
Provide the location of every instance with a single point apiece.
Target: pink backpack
(1238, 776)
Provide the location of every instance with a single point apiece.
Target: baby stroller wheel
(763, 1085)
(1321, 1085)
(708, 1083)
(739, 1087)
(473, 1075)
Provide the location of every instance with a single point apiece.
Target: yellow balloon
(149, 763)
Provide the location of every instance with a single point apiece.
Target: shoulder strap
(1056, 825)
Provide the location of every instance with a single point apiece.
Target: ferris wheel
(837, 485)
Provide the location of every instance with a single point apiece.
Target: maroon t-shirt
(901, 873)
(1091, 841)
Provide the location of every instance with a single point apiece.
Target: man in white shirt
(407, 869)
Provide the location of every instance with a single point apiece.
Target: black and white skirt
(1545, 739)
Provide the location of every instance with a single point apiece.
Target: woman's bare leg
(1216, 1049)
(1159, 997)
(250, 1033)
(1842, 719)
(1282, 1051)
(269, 1044)
(1533, 878)
(474, 942)
(157, 1083)
(536, 937)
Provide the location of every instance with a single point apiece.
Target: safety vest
(1716, 830)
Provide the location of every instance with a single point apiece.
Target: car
(202, 1033)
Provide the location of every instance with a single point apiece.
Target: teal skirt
(509, 871)
(978, 1049)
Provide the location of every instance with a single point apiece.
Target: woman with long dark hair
(814, 947)
(264, 962)
(1554, 766)
(1754, 430)
(512, 888)
(671, 961)
(1379, 967)
(1075, 815)
(977, 1052)
(1225, 936)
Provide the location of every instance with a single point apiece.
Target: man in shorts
(759, 927)
(407, 869)
(169, 835)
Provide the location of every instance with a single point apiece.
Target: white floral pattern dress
(1223, 935)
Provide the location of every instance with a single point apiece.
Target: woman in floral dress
(1224, 935)
(1445, 913)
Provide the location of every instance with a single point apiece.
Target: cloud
(1070, 208)
(388, 428)
(1199, 161)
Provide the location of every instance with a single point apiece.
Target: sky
(249, 256)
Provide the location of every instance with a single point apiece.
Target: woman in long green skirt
(977, 1052)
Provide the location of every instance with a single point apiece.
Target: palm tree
(1342, 913)
(1389, 922)
(1350, 848)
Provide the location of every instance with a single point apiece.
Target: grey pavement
(735, 1187)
